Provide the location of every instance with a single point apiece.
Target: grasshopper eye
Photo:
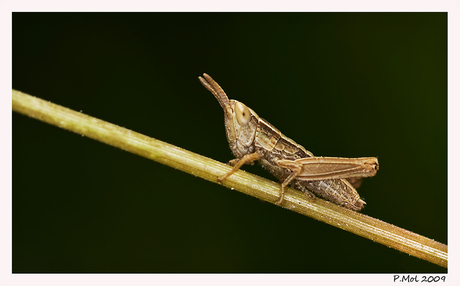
(242, 113)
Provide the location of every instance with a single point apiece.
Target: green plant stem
(203, 167)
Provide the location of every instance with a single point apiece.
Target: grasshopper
(252, 138)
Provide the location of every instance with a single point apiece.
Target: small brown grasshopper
(252, 138)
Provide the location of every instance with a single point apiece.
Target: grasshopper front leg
(237, 163)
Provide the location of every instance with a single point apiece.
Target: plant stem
(206, 168)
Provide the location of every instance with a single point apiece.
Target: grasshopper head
(240, 121)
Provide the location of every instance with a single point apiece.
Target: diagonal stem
(206, 168)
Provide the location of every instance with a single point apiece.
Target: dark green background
(340, 84)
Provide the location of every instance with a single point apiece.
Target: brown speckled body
(273, 146)
(252, 138)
